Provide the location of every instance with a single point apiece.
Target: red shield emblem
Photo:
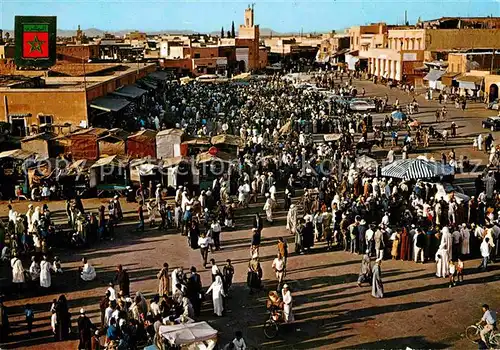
(35, 41)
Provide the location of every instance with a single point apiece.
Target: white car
(362, 105)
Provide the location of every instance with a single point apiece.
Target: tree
(233, 33)
(222, 32)
(228, 34)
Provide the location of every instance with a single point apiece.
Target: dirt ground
(418, 310)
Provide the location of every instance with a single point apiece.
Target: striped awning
(409, 169)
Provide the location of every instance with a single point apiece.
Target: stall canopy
(174, 161)
(447, 78)
(80, 166)
(129, 91)
(469, 81)
(115, 160)
(219, 156)
(242, 76)
(188, 333)
(434, 75)
(109, 104)
(18, 154)
(409, 169)
(332, 137)
(158, 75)
(226, 139)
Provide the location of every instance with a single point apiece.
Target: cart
(197, 335)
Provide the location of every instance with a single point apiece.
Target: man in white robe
(291, 219)
(287, 304)
(268, 208)
(176, 272)
(88, 271)
(45, 277)
(465, 237)
(17, 271)
(29, 215)
(217, 289)
(34, 270)
(442, 260)
(447, 241)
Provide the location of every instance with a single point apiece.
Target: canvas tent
(410, 169)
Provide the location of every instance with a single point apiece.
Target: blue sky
(205, 15)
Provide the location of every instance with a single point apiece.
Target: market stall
(84, 144)
(195, 145)
(228, 143)
(177, 171)
(113, 143)
(168, 143)
(144, 172)
(409, 169)
(210, 165)
(142, 144)
(13, 175)
(76, 177)
(109, 174)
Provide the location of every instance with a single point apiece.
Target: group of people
(347, 207)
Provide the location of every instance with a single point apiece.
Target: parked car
(492, 123)
(362, 105)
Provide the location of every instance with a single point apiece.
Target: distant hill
(94, 32)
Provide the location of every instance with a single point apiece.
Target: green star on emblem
(36, 45)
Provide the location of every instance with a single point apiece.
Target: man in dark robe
(193, 291)
(122, 280)
(308, 235)
(405, 245)
(85, 328)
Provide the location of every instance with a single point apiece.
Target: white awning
(434, 75)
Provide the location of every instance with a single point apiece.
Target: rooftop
(73, 83)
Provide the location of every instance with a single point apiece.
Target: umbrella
(408, 169)
(398, 115)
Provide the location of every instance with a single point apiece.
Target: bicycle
(271, 326)
(472, 333)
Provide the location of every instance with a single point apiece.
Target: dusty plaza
(418, 309)
(313, 175)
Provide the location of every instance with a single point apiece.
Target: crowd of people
(350, 208)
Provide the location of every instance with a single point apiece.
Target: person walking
(204, 243)
(287, 304)
(122, 280)
(279, 268)
(377, 286)
(85, 328)
(163, 277)
(17, 273)
(45, 277)
(217, 289)
(485, 253)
